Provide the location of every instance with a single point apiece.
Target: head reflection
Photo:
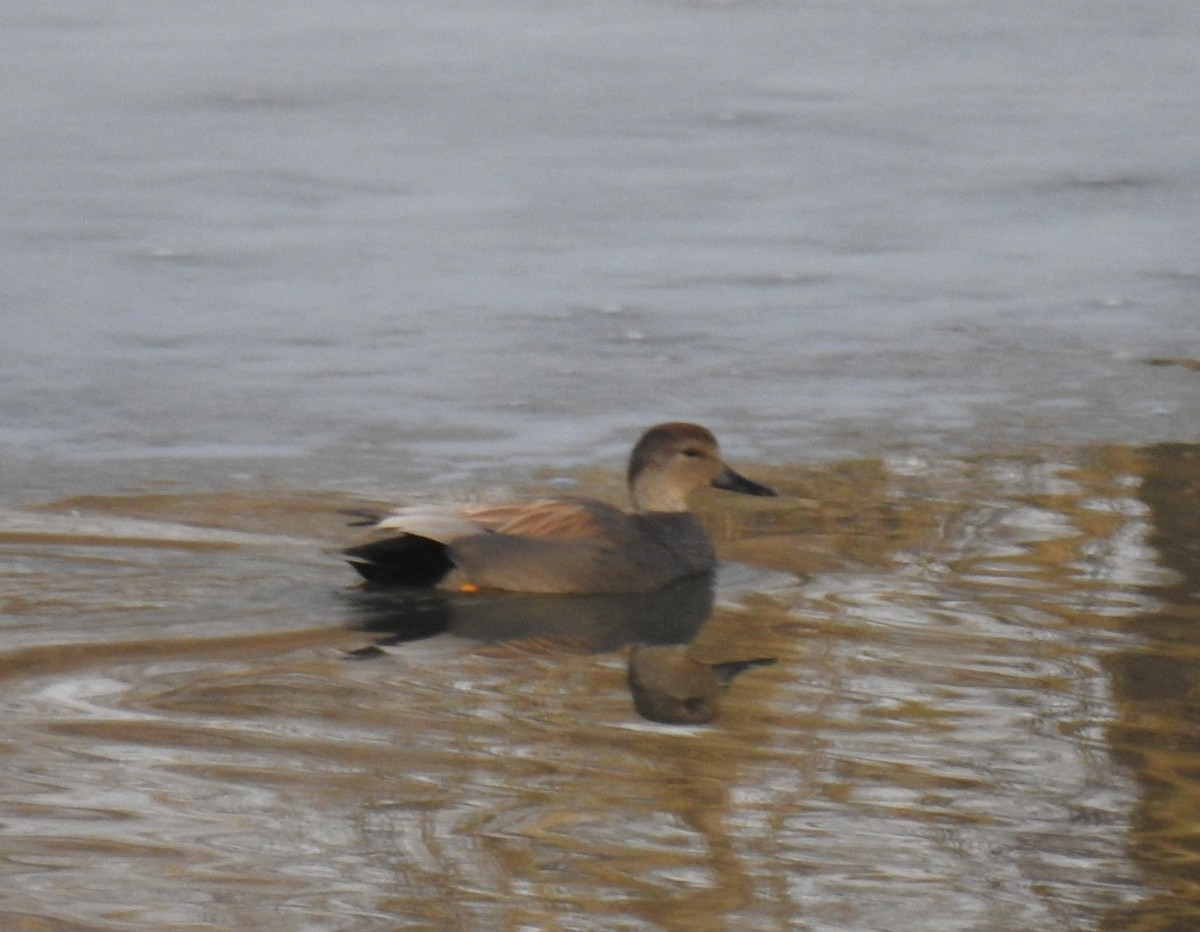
(672, 688)
(668, 686)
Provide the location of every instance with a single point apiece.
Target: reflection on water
(668, 685)
(1156, 689)
(590, 623)
(672, 687)
(981, 714)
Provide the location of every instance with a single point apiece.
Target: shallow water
(980, 714)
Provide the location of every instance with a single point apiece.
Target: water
(929, 268)
(325, 243)
(978, 714)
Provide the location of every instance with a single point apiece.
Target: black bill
(731, 481)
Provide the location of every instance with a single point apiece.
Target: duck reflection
(669, 686)
(672, 688)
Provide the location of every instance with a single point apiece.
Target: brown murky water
(981, 714)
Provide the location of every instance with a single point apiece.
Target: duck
(565, 545)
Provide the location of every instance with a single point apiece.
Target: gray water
(930, 268)
(378, 240)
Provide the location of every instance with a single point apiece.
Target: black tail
(406, 560)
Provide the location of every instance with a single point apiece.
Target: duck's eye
(693, 453)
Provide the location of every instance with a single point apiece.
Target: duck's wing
(433, 522)
(540, 519)
(559, 519)
(546, 545)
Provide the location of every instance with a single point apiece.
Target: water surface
(978, 715)
(348, 246)
(929, 268)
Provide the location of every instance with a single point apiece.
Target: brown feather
(546, 519)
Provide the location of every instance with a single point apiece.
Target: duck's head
(672, 460)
